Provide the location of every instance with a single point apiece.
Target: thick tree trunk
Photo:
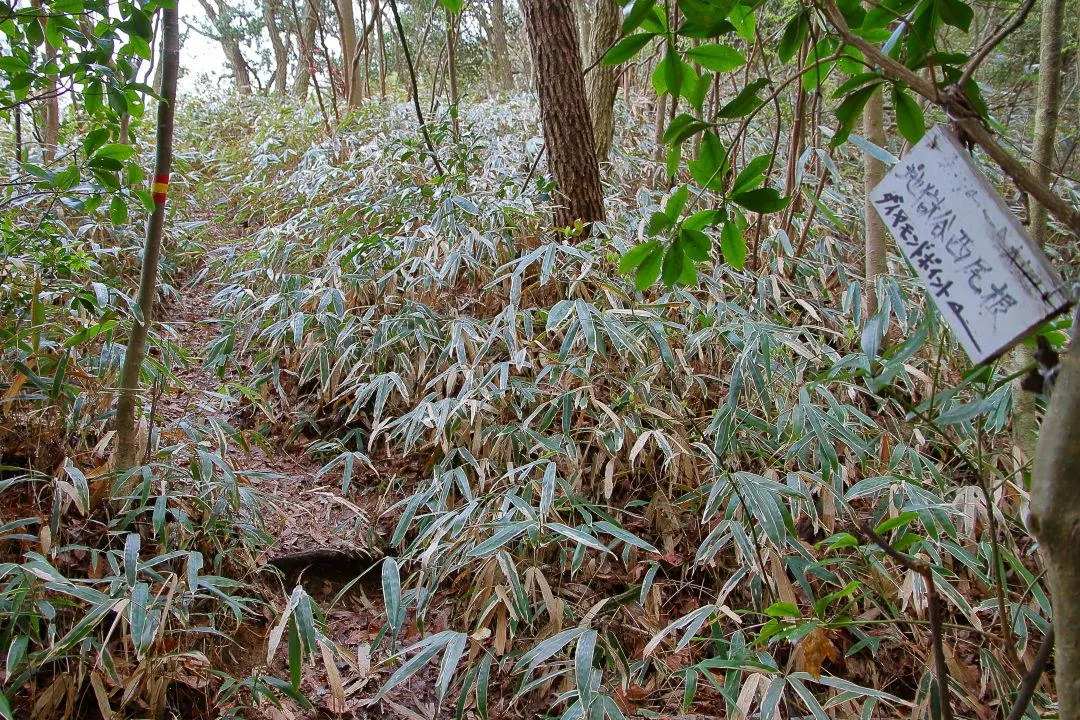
(348, 51)
(126, 422)
(1055, 521)
(1024, 427)
(306, 40)
(873, 172)
(500, 53)
(563, 110)
(600, 81)
(281, 50)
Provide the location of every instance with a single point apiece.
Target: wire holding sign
(989, 280)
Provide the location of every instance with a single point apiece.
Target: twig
(415, 90)
(1027, 687)
(982, 53)
(941, 671)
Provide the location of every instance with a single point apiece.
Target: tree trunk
(230, 44)
(1055, 520)
(451, 70)
(1024, 428)
(306, 40)
(873, 172)
(50, 111)
(281, 50)
(500, 53)
(348, 50)
(382, 51)
(563, 111)
(600, 82)
(126, 424)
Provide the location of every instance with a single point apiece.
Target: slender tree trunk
(50, 111)
(126, 422)
(600, 81)
(563, 110)
(348, 50)
(451, 70)
(329, 66)
(500, 53)
(281, 50)
(382, 52)
(658, 130)
(873, 172)
(18, 134)
(1048, 100)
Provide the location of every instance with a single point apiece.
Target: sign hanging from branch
(988, 278)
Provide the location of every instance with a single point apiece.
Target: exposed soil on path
(321, 537)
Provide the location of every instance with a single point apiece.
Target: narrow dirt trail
(307, 516)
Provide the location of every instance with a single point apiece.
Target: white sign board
(990, 281)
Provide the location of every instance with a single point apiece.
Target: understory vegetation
(408, 451)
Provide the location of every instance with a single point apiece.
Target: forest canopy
(539, 358)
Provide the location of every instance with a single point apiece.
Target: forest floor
(321, 539)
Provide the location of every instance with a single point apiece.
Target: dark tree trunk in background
(564, 112)
(600, 82)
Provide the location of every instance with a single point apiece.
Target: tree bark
(451, 69)
(230, 44)
(1055, 521)
(348, 51)
(50, 111)
(305, 31)
(873, 172)
(1048, 100)
(126, 423)
(600, 81)
(500, 53)
(281, 50)
(564, 112)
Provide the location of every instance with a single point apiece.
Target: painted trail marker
(989, 280)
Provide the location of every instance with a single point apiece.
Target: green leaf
(94, 139)
(637, 15)
(717, 57)
(710, 167)
(658, 223)
(682, 127)
(118, 210)
(909, 116)
(752, 175)
(674, 263)
(745, 22)
(696, 244)
(782, 610)
(649, 269)
(955, 12)
(668, 75)
(745, 102)
(849, 112)
(762, 200)
(733, 245)
(633, 259)
(793, 37)
(453, 6)
(391, 589)
(676, 202)
(115, 151)
(703, 219)
(627, 48)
